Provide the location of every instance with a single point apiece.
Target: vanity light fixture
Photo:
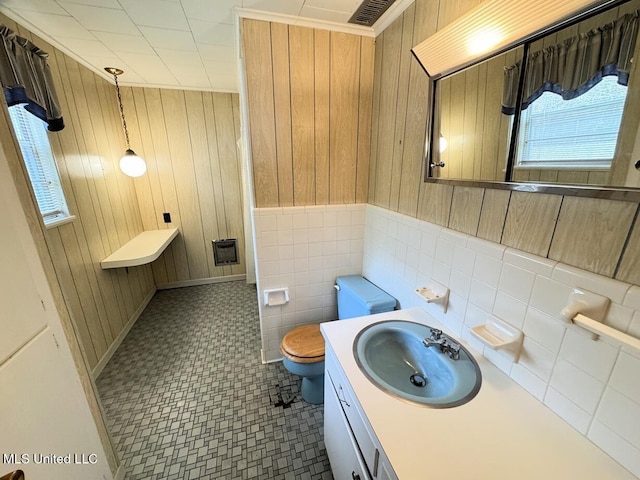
(492, 26)
(130, 163)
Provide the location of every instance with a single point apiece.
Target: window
(31, 133)
(578, 133)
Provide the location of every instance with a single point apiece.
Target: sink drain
(418, 380)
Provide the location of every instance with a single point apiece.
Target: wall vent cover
(370, 11)
(225, 252)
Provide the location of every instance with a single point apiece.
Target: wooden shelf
(144, 248)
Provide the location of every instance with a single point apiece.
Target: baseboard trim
(97, 370)
(120, 473)
(202, 281)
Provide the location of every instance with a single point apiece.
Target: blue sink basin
(393, 356)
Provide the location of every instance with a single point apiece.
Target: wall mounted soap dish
(435, 293)
(499, 335)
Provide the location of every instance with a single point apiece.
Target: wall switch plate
(167, 217)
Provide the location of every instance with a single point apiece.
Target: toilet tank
(357, 296)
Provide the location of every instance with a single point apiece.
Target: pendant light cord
(124, 122)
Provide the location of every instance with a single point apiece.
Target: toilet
(303, 347)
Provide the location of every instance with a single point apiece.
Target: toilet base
(312, 389)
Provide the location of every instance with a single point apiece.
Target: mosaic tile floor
(186, 396)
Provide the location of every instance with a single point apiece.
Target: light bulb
(443, 144)
(132, 165)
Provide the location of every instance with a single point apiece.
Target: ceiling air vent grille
(370, 11)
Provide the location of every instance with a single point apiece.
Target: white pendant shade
(490, 27)
(132, 165)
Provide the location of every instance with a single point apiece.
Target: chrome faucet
(443, 342)
(435, 339)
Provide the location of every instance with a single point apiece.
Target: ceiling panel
(167, 43)
(169, 39)
(125, 43)
(156, 13)
(100, 18)
(42, 6)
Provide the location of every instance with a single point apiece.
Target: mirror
(536, 145)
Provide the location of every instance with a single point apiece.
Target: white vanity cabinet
(353, 449)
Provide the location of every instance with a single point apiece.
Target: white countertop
(503, 433)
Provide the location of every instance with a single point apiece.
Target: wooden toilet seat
(303, 344)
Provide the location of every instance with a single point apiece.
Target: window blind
(582, 132)
(31, 133)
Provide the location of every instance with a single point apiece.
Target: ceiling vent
(370, 11)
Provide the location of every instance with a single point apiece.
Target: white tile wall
(304, 249)
(593, 385)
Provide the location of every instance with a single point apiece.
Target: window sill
(60, 221)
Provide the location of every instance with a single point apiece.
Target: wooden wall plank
(435, 204)
(159, 138)
(413, 188)
(148, 187)
(301, 45)
(392, 41)
(466, 205)
(590, 233)
(256, 38)
(375, 120)
(401, 107)
(217, 225)
(456, 135)
(470, 137)
(229, 172)
(493, 214)
(195, 105)
(322, 60)
(282, 106)
(180, 148)
(343, 116)
(531, 219)
(365, 101)
(629, 267)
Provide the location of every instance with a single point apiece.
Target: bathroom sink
(393, 356)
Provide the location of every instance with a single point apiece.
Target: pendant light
(130, 163)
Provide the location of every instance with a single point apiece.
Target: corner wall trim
(97, 370)
(202, 281)
(120, 473)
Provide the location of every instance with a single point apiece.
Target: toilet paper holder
(276, 296)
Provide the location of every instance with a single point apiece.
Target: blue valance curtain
(575, 65)
(26, 78)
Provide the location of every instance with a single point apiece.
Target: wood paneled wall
(602, 236)
(188, 139)
(309, 96)
(103, 200)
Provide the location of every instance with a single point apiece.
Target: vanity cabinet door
(343, 452)
(367, 445)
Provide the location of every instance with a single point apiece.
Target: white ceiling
(188, 44)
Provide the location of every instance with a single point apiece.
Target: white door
(46, 427)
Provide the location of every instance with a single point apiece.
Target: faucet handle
(454, 351)
(436, 334)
